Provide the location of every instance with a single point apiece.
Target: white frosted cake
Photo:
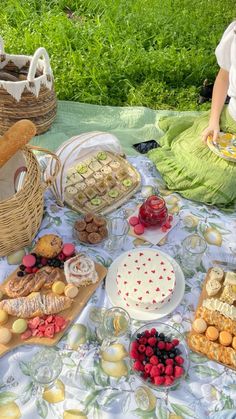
(145, 280)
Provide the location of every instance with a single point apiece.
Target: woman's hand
(212, 129)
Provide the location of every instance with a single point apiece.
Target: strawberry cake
(145, 280)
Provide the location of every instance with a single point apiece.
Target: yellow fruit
(19, 326)
(58, 287)
(162, 241)
(5, 336)
(15, 258)
(3, 317)
(171, 200)
(77, 336)
(212, 236)
(74, 414)
(114, 353)
(145, 398)
(55, 394)
(114, 369)
(174, 210)
(191, 221)
(10, 411)
(140, 242)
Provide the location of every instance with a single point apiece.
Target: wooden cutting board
(202, 297)
(69, 314)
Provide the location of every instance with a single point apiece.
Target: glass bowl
(170, 333)
(76, 233)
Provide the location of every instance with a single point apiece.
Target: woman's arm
(220, 90)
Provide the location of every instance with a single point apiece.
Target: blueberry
(165, 356)
(57, 263)
(39, 265)
(20, 273)
(158, 352)
(22, 267)
(157, 334)
(177, 351)
(171, 355)
(138, 335)
(38, 259)
(162, 336)
(49, 262)
(34, 254)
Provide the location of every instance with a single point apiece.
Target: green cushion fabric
(189, 167)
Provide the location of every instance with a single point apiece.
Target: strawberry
(169, 370)
(158, 380)
(178, 371)
(161, 345)
(154, 360)
(179, 360)
(175, 342)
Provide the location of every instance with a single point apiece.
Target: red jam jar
(153, 212)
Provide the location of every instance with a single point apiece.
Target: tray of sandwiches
(46, 293)
(214, 327)
(100, 183)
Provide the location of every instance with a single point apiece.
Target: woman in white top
(186, 163)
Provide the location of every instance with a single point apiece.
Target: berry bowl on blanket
(159, 355)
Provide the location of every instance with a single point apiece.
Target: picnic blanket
(85, 385)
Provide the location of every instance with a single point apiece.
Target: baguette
(15, 138)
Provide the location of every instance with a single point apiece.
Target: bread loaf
(15, 138)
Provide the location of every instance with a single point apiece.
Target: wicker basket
(21, 214)
(32, 97)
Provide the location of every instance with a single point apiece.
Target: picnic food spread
(214, 328)
(145, 280)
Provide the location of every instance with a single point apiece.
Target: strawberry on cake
(145, 280)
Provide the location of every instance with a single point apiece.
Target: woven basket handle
(40, 52)
(48, 182)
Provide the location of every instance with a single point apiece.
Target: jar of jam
(153, 212)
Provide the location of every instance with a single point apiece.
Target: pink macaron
(139, 229)
(68, 249)
(133, 221)
(29, 261)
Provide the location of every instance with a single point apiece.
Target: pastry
(106, 170)
(216, 319)
(98, 175)
(81, 186)
(80, 198)
(230, 278)
(19, 326)
(212, 287)
(80, 270)
(71, 191)
(95, 165)
(71, 291)
(115, 164)
(225, 338)
(228, 295)
(234, 342)
(212, 333)
(216, 273)
(48, 246)
(35, 305)
(90, 181)
(58, 287)
(3, 317)
(101, 186)
(228, 310)
(199, 325)
(111, 182)
(5, 336)
(90, 192)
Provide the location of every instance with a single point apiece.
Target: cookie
(94, 238)
(80, 225)
(88, 217)
(212, 333)
(212, 287)
(48, 246)
(99, 221)
(103, 232)
(225, 338)
(83, 236)
(91, 227)
(199, 325)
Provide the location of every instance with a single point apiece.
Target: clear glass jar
(153, 212)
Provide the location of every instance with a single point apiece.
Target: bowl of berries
(159, 355)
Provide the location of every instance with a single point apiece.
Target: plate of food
(224, 146)
(148, 283)
(213, 331)
(46, 293)
(90, 229)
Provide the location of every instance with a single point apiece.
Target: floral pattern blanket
(86, 387)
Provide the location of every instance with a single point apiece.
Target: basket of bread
(21, 187)
(26, 89)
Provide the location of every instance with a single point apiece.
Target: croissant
(35, 305)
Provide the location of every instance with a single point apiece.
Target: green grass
(154, 53)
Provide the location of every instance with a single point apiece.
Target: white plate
(116, 300)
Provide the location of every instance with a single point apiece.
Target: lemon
(171, 200)
(55, 394)
(114, 369)
(15, 258)
(77, 336)
(174, 209)
(191, 221)
(74, 414)
(10, 411)
(145, 398)
(140, 242)
(212, 236)
(114, 353)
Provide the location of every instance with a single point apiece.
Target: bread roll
(15, 138)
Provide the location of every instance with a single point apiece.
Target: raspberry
(154, 360)
(134, 345)
(44, 261)
(149, 351)
(175, 342)
(141, 357)
(138, 366)
(158, 380)
(152, 341)
(169, 346)
(169, 361)
(153, 331)
(134, 354)
(161, 368)
(170, 218)
(168, 381)
(179, 360)
(28, 270)
(161, 345)
(148, 368)
(178, 371)
(147, 334)
(34, 269)
(142, 348)
(142, 340)
(154, 371)
(169, 370)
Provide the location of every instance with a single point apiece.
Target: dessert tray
(224, 146)
(100, 183)
(118, 285)
(214, 327)
(47, 301)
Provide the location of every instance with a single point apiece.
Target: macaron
(19, 326)
(234, 342)
(225, 338)
(5, 335)
(68, 249)
(58, 287)
(3, 317)
(212, 333)
(29, 261)
(71, 291)
(139, 229)
(133, 221)
(199, 325)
